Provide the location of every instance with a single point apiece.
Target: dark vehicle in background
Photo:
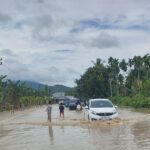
(66, 102)
(73, 103)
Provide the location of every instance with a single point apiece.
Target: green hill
(53, 89)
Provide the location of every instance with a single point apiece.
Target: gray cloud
(68, 39)
(40, 46)
(15, 69)
(62, 75)
(51, 75)
(104, 40)
(64, 51)
(7, 52)
(5, 18)
(42, 28)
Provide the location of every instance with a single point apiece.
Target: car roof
(99, 99)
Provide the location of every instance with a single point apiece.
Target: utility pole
(1, 61)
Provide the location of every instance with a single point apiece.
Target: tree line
(126, 82)
(117, 79)
(17, 95)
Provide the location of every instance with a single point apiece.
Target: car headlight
(93, 112)
(114, 112)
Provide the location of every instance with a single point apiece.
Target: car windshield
(66, 100)
(73, 101)
(97, 104)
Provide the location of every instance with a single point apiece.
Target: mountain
(34, 85)
(53, 89)
(59, 88)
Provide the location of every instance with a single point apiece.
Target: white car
(101, 109)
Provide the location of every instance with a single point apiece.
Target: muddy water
(30, 130)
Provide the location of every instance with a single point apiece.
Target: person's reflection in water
(51, 135)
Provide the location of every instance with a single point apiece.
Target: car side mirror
(116, 106)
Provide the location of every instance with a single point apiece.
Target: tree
(123, 65)
(138, 65)
(94, 82)
(146, 61)
(104, 81)
(2, 90)
(113, 73)
(14, 91)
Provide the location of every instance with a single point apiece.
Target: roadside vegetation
(126, 82)
(16, 95)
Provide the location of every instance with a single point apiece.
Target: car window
(74, 101)
(66, 100)
(96, 104)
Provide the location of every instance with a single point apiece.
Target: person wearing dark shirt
(61, 110)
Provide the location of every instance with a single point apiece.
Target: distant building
(58, 96)
(69, 97)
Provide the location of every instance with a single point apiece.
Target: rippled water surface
(30, 130)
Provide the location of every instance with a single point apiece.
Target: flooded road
(29, 129)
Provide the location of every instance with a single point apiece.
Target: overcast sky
(55, 41)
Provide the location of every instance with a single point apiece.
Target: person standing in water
(61, 110)
(49, 110)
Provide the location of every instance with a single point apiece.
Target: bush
(137, 101)
(1, 110)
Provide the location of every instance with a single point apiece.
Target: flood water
(30, 130)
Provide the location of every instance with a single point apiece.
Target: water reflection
(51, 134)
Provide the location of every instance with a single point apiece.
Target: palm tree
(123, 65)
(113, 73)
(138, 65)
(146, 61)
